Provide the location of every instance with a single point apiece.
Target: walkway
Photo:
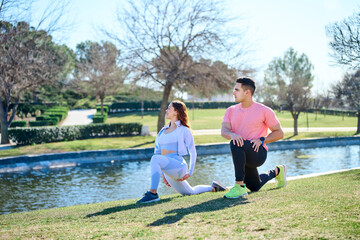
(286, 130)
(79, 117)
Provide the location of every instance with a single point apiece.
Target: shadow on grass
(142, 144)
(290, 137)
(124, 208)
(209, 206)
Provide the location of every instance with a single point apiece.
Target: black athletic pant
(246, 161)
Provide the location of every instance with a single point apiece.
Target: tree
(166, 40)
(347, 92)
(345, 41)
(28, 58)
(289, 79)
(97, 64)
(11, 10)
(50, 19)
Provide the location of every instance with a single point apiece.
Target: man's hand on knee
(256, 143)
(237, 140)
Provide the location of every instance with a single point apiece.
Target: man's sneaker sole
(285, 170)
(243, 195)
(154, 200)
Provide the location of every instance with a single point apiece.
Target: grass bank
(133, 142)
(306, 209)
(212, 119)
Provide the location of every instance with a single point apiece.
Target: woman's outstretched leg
(184, 188)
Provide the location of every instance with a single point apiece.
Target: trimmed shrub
(99, 118)
(105, 108)
(41, 123)
(152, 105)
(18, 124)
(36, 135)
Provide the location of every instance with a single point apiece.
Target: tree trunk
(4, 125)
(35, 100)
(295, 117)
(163, 106)
(4, 133)
(102, 106)
(295, 125)
(358, 124)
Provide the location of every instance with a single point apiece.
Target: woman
(171, 144)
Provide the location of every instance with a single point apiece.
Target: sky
(272, 27)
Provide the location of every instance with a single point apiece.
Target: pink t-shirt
(252, 122)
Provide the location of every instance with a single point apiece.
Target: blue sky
(272, 27)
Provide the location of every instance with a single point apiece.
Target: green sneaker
(236, 192)
(281, 177)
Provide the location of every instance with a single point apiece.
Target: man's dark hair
(247, 84)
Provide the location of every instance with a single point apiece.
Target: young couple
(246, 124)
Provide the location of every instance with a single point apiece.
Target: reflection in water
(90, 183)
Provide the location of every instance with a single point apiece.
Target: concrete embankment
(28, 162)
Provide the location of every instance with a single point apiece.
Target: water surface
(91, 183)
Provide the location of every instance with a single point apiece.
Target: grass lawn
(212, 119)
(306, 209)
(132, 142)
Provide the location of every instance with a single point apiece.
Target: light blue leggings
(173, 167)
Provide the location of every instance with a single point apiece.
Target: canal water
(91, 183)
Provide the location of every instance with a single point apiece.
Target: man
(247, 124)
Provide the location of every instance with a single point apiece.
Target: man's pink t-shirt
(252, 122)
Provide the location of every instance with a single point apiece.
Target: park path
(79, 117)
(286, 130)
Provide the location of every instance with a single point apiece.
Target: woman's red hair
(182, 114)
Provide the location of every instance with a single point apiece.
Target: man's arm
(226, 130)
(276, 134)
(228, 134)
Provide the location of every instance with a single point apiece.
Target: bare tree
(345, 41)
(98, 68)
(14, 10)
(347, 92)
(27, 58)
(51, 18)
(163, 39)
(290, 80)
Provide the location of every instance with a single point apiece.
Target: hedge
(105, 108)
(335, 112)
(98, 118)
(51, 117)
(152, 105)
(42, 123)
(18, 124)
(37, 135)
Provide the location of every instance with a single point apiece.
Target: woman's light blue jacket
(185, 143)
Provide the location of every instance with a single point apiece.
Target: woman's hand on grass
(165, 181)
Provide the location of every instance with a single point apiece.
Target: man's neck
(247, 103)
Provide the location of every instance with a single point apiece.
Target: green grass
(212, 119)
(133, 142)
(306, 209)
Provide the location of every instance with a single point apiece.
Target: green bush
(99, 118)
(36, 135)
(105, 108)
(18, 124)
(41, 123)
(51, 117)
(152, 105)
(42, 117)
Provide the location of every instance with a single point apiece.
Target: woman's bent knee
(155, 159)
